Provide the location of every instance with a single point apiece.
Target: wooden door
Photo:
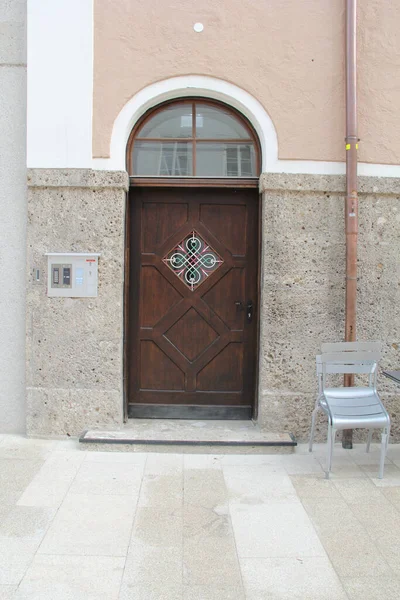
(193, 302)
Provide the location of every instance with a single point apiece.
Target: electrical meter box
(72, 275)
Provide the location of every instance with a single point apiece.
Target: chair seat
(347, 392)
(355, 407)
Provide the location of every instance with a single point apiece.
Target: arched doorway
(192, 263)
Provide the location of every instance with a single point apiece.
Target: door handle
(249, 311)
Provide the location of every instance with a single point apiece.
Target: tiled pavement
(133, 526)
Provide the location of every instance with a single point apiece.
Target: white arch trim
(217, 89)
(191, 85)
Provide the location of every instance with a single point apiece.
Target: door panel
(231, 285)
(160, 221)
(157, 296)
(228, 224)
(191, 335)
(224, 372)
(193, 269)
(158, 372)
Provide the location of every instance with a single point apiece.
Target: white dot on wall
(198, 27)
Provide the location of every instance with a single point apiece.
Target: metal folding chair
(350, 407)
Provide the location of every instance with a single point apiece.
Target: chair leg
(388, 437)
(369, 439)
(383, 452)
(313, 419)
(330, 445)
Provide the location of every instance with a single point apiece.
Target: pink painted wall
(287, 54)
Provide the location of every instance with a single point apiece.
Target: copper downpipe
(351, 203)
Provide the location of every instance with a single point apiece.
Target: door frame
(190, 182)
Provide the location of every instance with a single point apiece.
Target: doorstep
(175, 435)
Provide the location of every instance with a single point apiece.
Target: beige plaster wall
(287, 54)
(303, 289)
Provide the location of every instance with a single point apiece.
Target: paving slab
(202, 461)
(300, 464)
(115, 479)
(17, 446)
(4, 510)
(72, 577)
(376, 588)
(196, 526)
(357, 556)
(389, 547)
(380, 518)
(346, 540)
(27, 522)
(16, 554)
(7, 592)
(162, 491)
(344, 471)
(314, 486)
(150, 592)
(21, 532)
(372, 458)
(251, 459)
(295, 578)
(161, 464)
(15, 475)
(391, 476)
(392, 493)
(205, 488)
(206, 592)
(282, 529)
(137, 458)
(153, 565)
(157, 526)
(259, 484)
(203, 522)
(53, 480)
(330, 515)
(211, 560)
(91, 525)
(358, 490)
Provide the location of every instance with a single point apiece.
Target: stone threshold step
(173, 435)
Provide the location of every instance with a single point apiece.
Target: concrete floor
(87, 525)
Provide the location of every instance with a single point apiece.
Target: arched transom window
(193, 138)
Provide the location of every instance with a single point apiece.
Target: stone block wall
(75, 345)
(303, 289)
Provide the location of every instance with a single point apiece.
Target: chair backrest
(350, 362)
(351, 347)
(346, 362)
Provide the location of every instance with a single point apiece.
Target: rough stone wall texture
(303, 289)
(289, 55)
(74, 345)
(75, 359)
